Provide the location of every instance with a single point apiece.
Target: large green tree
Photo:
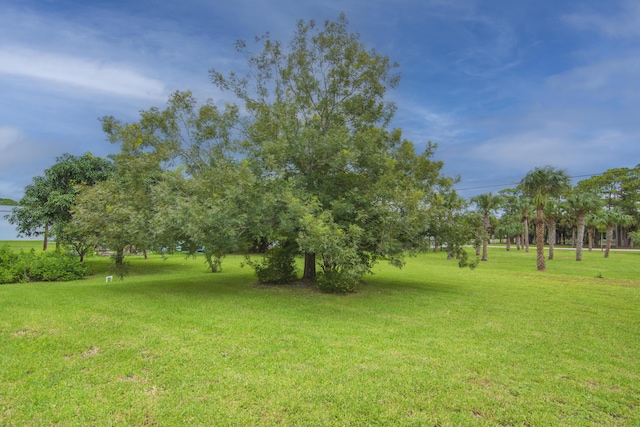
(318, 118)
(540, 184)
(45, 208)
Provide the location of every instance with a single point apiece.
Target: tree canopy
(45, 208)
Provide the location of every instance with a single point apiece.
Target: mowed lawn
(430, 344)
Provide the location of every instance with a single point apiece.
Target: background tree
(580, 205)
(524, 207)
(592, 224)
(117, 213)
(510, 226)
(450, 225)
(45, 208)
(609, 219)
(618, 187)
(486, 204)
(553, 212)
(8, 202)
(540, 184)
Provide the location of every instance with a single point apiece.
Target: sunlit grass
(430, 344)
(25, 245)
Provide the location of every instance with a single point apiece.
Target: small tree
(580, 205)
(486, 204)
(553, 211)
(540, 184)
(608, 219)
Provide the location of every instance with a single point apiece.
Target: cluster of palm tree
(546, 197)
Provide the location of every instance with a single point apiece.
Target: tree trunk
(552, 237)
(309, 267)
(508, 243)
(46, 237)
(609, 239)
(526, 234)
(540, 240)
(590, 239)
(519, 241)
(120, 257)
(486, 224)
(580, 237)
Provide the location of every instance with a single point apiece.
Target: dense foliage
(45, 208)
(24, 266)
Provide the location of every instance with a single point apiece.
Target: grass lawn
(430, 344)
(26, 245)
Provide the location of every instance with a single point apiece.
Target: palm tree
(522, 207)
(486, 203)
(579, 206)
(553, 211)
(592, 225)
(609, 219)
(540, 184)
(509, 227)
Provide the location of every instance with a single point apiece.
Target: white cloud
(422, 124)
(113, 79)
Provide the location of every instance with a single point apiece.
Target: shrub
(46, 267)
(336, 281)
(11, 265)
(277, 266)
(56, 266)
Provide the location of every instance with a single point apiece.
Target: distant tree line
(608, 203)
(7, 202)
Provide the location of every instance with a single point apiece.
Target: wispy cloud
(88, 74)
(624, 24)
(21, 158)
(19, 151)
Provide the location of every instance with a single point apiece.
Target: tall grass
(430, 344)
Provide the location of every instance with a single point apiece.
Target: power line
(517, 183)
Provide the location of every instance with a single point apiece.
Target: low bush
(16, 267)
(277, 266)
(335, 281)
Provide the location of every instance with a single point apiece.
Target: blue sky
(502, 86)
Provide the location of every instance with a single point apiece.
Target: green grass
(26, 245)
(430, 344)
